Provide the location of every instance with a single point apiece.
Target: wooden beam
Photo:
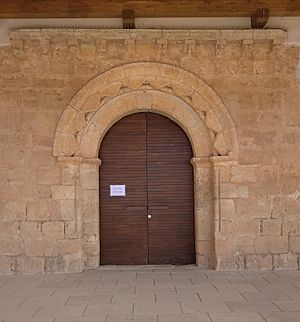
(144, 8)
(260, 18)
(128, 19)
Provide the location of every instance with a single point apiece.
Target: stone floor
(148, 294)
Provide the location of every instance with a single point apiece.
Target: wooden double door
(146, 193)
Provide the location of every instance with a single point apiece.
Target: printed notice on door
(117, 190)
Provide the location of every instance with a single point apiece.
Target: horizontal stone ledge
(78, 160)
(119, 34)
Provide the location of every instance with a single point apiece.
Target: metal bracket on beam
(260, 18)
(128, 19)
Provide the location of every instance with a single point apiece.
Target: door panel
(170, 193)
(151, 155)
(123, 220)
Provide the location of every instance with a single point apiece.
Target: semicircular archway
(143, 87)
(165, 79)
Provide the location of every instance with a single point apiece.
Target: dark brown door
(148, 155)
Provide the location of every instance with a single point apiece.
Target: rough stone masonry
(236, 93)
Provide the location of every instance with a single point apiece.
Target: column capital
(78, 160)
(201, 162)
(92, 161)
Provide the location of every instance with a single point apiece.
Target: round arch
(203, 102)
(138, 87)
(145, 101)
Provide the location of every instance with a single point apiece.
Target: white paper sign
(117, 190)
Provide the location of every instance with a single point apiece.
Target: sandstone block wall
(48, 218)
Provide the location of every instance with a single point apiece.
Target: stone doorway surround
(146, 87)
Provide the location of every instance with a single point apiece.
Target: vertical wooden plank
(123, 220)
(170, 193)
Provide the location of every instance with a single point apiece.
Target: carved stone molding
(146, 76)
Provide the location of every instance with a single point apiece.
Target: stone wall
(256, 222)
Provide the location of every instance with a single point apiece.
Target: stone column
(203, 210)
(225, 243)
(89, 180)
(69, 198)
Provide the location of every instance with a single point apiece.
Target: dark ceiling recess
(260, 18)
(144, 8)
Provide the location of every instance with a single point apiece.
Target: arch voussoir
(146, 76)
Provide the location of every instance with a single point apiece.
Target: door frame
(148, 87)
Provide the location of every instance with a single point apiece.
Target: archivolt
(143, 86)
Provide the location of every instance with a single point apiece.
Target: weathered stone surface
(30, 264)
(53, 230)
(63, 192)
(39, 210)
(40, 248)
(246, 204)
(14, 211)
(67, 209)
(285, 261)
(6, 265)
(229, 190)
(69, 246)
(48, 176)
(271, 227)
(271, 244)
(31, 230)
(259, 262)
(294, 244)
(10, 247)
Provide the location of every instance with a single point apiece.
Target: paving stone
(281, 316)
(31, 298)
(17, 313)
(289, 306)
(131, 318)
(60, 311)
(221, 296)
(157, 308)
(74, 291)
(238, 287)
(184, 318)
(128, 289)
(45, 300)
(124, 308)
(133, 298)
(28, 292)
(177, 297)
(254, 306)
(30, 320)
(89, 299)
(205, 307)
(236, 317)
(263, 296)
(95, 318)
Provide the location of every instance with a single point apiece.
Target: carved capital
(201, 162)
(76, 161)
